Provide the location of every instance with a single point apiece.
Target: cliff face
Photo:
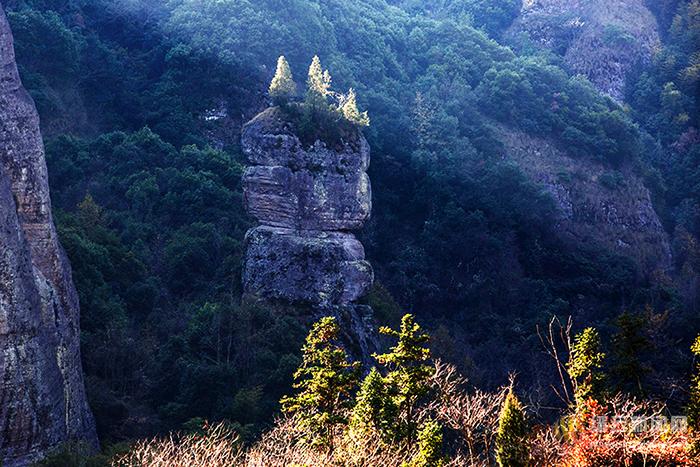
(42, 395)
(307, 200)
(597, 206)
(601, 39)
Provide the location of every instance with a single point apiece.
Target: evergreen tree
(409, 374)
(348, 107)
(585, 367)
(512, 448)
(374, 410)
(694, 402)
(90, 213)
(325, 380)
(628, 345)
(429, 446)
(282, 87)
(318, 86)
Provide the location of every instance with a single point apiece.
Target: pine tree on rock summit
(282, 88)
(348, 106)
(318, 85)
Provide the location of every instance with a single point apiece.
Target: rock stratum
(596, 207)
(307, 201)
(600, 39)
(42, 394)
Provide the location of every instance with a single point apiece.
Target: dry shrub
(618, 444)
(217, 446)
(473, 415)
(546, 446)
(470, 416)
(282, 446)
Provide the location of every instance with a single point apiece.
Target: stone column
(307, 199)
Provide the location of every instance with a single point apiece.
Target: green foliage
(512, 449)
(374, 409)
(429, 446)
(585, 367)
(543, 100)
(694, 402)
(348, 107)
(325, 381)
(282, 88)
(612, 180)
(408, 377)
(45, 44)
(629, 345)
(494, 16)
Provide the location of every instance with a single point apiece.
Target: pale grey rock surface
(281, 197)
(307, 200)
(42, 394)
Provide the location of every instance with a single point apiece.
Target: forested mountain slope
(143, 104)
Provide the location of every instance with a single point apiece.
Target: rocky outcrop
(600, 39)
(42, 395)
(307, 200)
(597, 207)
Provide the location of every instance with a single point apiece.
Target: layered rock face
(601, 39)
(617, 215)
(307, 201)
(42, 395)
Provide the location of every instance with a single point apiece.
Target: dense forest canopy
(142, 104)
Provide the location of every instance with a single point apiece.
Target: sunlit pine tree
(282, 88)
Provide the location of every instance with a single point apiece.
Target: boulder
(307, 199)
(307, 267)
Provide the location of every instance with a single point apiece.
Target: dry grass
(216, 447)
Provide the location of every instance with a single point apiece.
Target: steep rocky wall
(598, 207)
(42, 395)
(601, 39)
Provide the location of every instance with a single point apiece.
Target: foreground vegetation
(415, 412)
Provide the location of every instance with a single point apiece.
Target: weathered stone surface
(313, 188)
(278, 196)
(42, 395)
(620, 219)
(309, 267)
(268, 139)
(600, 39)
